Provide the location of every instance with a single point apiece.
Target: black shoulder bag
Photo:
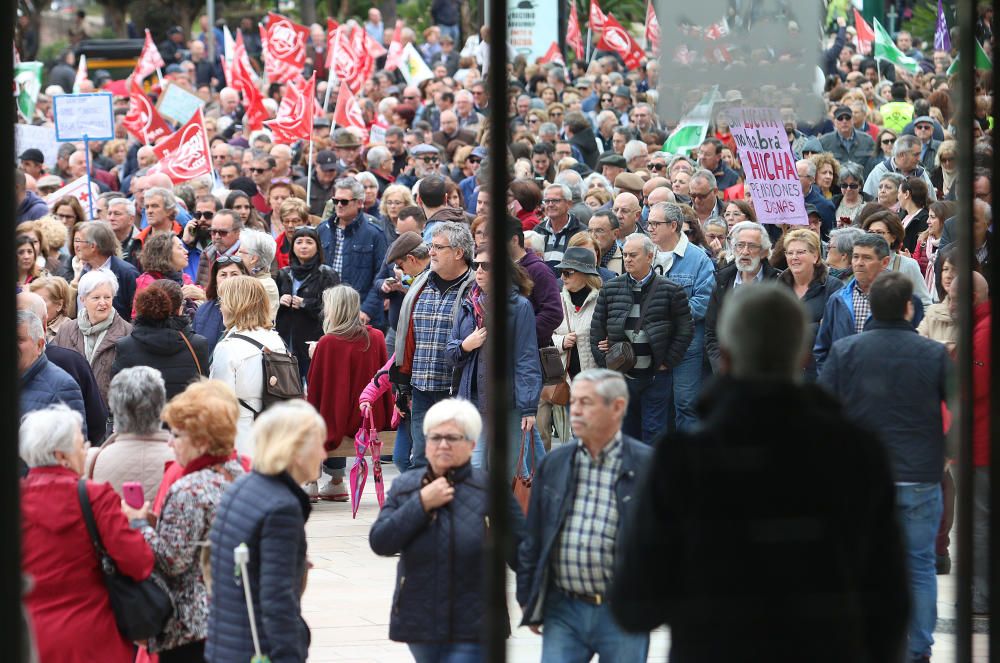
(621, 356)
(282, 380)
(141, 608)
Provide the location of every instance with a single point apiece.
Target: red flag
(143, 120)
(866, 36)
(552, 55)
(395, 48)
(348, 112)
(366, 60)
(295, 115)
(243, 80)
(617, 39)
(598, 19)
(331, 39)
(375, 49)
(348, 65)
(573, 36)
(652, 28)
(284, 46)
(185, 155)
(150, 59)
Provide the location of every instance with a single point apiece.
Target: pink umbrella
(365, 438)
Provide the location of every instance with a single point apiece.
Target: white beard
(752, 267)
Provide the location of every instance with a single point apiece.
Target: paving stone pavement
(349, 595)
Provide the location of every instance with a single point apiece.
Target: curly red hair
(207, 411)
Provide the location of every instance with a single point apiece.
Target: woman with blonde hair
(237, 358)
(202, 421)
(267, 511)
(394, 198)
(344, 360)
(827, 174)
(60, 300)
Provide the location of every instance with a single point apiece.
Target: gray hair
(905, 143)
(100, 234)
(647, 244)
(608, 384)
(366, 178)
(129, 204)
(566, 191)
(633, 149)
(707, 176)
(765, 239)
(896, 178)
(461, 412)
(351, 184)
(136, 397)
(573, 180)
(606, 115)
(94, 279)
(34, 324)
(44, 432)
(459, 237)
(547, 128)
(763, 332)
(597, 180)
(810, 167)
(874, 242)
(851, 170)
(842, 239)
(377, 156)
(166, 195)
(259, 244)
(715, 221)
(672, 212)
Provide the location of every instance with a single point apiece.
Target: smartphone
(132, 491)
(391, 280)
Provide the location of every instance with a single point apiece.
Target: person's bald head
(30, 301)
(159, 179)
(980, 288)
(626, 200)
(660, 194)
(145, 156)
(980, 292)
(654, 183)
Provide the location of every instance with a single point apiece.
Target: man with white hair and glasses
(559, 224)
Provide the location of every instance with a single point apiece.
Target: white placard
(42, 138)
(83, 116)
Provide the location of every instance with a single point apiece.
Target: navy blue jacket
(440, 591)
(525, 367)
(269, 514)
(208, 323)
(45, 384)
(892, 381)
(126, 274)
(364, 254)
(552, 494)
(31, 208)
(77, 368)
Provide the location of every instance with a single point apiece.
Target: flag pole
(309, 170)
(90, 188)
(332, 75)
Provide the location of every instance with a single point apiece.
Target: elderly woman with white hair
(68, 605)
(257, 250)
(267, 510)
(437, 521)
(98, 326)
(139, 448)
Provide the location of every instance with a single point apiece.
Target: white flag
(77, 189)
(413, 67)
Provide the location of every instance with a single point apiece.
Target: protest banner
(769, 165)
(185, 155)
(532, 26)
(78, 189)
(177, 104)
(142, 119)
(83, 117)
(41, 138)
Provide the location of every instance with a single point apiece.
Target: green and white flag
(885, 49)
(982, 61)
(693, 127)
(27, 85)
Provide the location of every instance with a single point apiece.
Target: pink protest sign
(769, 164)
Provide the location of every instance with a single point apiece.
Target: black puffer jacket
(299, 325)
(161, 347)
(667, 321)
(440, 580)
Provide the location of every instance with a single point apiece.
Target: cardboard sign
(177, 104)
(42, 138)
(769, 165)
(83, 117)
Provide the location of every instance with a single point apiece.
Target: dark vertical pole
(966, 256)
(994, 522)
(499, 410)
(10, 510)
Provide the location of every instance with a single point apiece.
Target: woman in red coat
(344, 360)
(68, 604)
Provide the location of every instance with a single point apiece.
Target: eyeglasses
(923, 127)
(485, 265)
(532, 120)
(473, 160)
(341, 201)
(851, 186)
(566, 273)
(259, 171)
(555, 114)
(203, 215)
(795, 254)
(450, 439)
(657, 166)
(549, 201)
(656, 224)
(700, 196)
(746, 246)
(440, 247)
(888, 141)
(605, 99)
(430, 159)
(220, 232)
(226, 260)
(844, 118)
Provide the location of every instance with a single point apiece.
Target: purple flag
(942, 39)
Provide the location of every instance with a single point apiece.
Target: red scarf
(477, 298)
(203, 461)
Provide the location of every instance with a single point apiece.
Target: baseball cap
(842, 110)
(32, 154)
(924, 118)
(326, 161)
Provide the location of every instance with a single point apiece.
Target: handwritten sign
(769, 165)
(177, 104)
(83, 116)
(42, 138)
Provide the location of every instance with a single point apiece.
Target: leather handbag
(521, 484)
(558, 393)
(141, 608)
(621, 356)
(552, 366)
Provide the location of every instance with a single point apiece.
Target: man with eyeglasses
(261, 172)
(468, 118)
(426, 160)
(426, 318)
(704, 192)
(846, 143)
(559, 225)
(224, 230)
(354, 245)
(751, 247)
(905, 160)
(923, 128)
(96, 247)
(605, 228)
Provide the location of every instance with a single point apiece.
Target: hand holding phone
(132, 492)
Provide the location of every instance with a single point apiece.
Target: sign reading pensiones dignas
(768, 164)
(760, 53)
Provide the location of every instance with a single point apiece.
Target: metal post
(994, 499)
(90, 186)
(499, 400)
(966, 257)
(210, 35)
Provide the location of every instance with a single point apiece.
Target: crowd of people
(147, 335)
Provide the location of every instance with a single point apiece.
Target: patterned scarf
(477, 298)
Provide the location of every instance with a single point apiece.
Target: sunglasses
(567, 273)
(473, 160)
(430, 159)
(844, 118)
(204, 215)
(221, 233)
(259, 171)
(341, 201)
(605, 100)
(657, 166)
(888, 141)
(229, 260)
(485, 266)
(851, 186)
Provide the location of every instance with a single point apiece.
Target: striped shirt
(862, 309)
(556, 243)
(641, 346)
(431, 323)
(583, 558)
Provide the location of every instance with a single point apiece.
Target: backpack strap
(260, 346)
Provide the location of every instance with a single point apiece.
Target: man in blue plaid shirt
(580, 495)
(425, 322)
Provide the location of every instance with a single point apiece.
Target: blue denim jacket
(364, 253)
(695, 272)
